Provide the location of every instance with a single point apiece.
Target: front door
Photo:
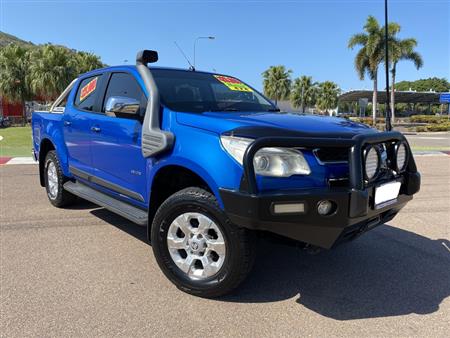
(116, 143)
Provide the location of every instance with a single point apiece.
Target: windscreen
(191, 91)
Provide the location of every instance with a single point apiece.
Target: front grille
(331, 155)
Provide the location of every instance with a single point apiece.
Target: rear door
(77, 122)
(116, 142)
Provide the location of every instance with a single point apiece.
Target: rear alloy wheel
(197, 247)
(54, 181)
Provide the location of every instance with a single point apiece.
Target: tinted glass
(125, 85)
(87, 93)
(199, 92)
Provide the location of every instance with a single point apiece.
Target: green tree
(277, 83)
(52, 68)
(14, 66)
(425, 85)
(85, 62)
(328, 94)
(303, 92)
(372, 53)
(401, 49)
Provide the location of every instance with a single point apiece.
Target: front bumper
(356, 211)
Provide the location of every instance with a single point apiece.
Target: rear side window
(125, 85)
(87, 93)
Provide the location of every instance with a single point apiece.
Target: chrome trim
(106, 184)
(338, 179)
(121, 105)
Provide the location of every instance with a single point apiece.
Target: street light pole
(199, 38)
(386, 47)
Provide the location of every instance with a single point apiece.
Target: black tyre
(54, 181)
(197, 247)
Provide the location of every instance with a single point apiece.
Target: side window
(87, 93)
(125, 85)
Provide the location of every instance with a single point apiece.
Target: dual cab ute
(205, 161)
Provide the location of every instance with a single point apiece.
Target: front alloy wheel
(197, 247)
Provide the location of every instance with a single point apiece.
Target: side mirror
(117, 105)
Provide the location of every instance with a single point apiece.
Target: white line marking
(439, 154)
(446, 246)
(432, 138)
(21, 160)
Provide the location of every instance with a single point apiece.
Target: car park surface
(84, 271)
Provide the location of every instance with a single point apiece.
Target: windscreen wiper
(224, 109)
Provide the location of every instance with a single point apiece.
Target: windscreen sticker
(88, 89)
(233, 84)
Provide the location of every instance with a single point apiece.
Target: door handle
(67, 123)
(95, 129)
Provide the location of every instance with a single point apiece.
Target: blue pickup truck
(206, 162)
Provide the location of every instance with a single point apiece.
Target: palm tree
(277, 83)
(14, 65)
(86, 62)
(51, 70)
(304, 92)
(371, 54)
(402, 49)
(328, 96)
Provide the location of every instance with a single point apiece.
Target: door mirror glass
(118, 105)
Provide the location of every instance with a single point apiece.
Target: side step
(123, 209)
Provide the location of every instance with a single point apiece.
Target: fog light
(326, 207)
(289, 208)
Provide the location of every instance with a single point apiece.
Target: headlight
(371, 162)
(401, 156)
(276, 162)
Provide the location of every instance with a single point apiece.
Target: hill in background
(6, 39)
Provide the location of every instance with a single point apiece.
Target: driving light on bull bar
(371, 162)
(401, 156)
(288, 208)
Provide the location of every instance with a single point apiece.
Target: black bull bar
(355, 144)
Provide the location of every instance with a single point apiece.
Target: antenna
(191, 67)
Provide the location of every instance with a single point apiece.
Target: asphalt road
(432, 141)
(86, 272)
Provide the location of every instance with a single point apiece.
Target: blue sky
(309, 37)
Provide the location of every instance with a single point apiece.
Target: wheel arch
(169, 178)
(44, 147)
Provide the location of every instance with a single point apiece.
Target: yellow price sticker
(233, 84)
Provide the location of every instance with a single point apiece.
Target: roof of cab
(133, 68)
